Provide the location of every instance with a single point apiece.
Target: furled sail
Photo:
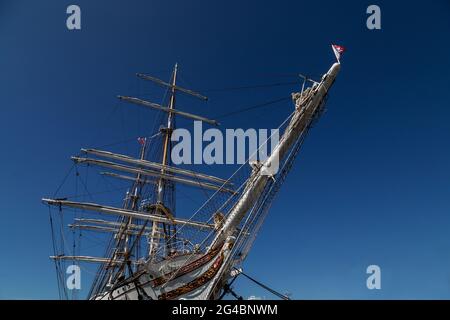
(151, 173)
(155, 165)
(168, 110)
(126, 212)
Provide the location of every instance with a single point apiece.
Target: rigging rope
(235, 172)
(231, 197)
(227, 288)
(127, 140)
(64, 180)
(282, 296)
(259, 105)
(252, 86)
(59, 281)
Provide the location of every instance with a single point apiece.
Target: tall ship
(156, 251)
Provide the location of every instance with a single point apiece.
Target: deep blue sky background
(371, 185)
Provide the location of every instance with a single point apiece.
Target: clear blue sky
(371, 185)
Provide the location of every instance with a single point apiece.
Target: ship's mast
(128, 231)
(165, 158)
(123, 236)
(135, 197)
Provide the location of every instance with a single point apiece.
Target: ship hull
(184, 277)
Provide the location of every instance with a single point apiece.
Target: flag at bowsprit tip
(338, 50)
(141, 140)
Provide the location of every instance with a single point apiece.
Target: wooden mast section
(153, 247)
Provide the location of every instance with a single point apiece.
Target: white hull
(185, 277)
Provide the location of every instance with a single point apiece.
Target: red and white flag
(141, 140)
(338, 50)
